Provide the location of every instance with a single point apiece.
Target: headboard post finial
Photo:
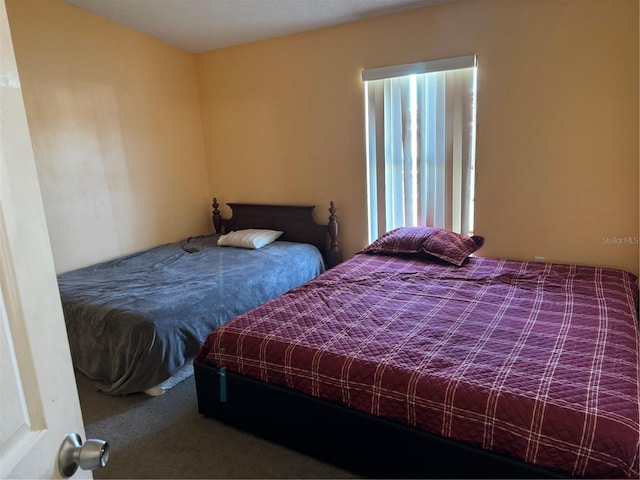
(334, 254)
(217, 220)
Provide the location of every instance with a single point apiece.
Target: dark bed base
(358, 442)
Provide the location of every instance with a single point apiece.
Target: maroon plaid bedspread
(538, 361)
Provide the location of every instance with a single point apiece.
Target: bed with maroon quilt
(411, 359)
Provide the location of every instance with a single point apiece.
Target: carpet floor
(165, 437)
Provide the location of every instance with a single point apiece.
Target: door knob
(73, 454)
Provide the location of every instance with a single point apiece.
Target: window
(421, 145)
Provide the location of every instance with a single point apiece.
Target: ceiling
(202, 25)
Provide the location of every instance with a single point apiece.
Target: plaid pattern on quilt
(537, 361)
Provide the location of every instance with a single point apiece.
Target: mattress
(135, 321)
(530, 360)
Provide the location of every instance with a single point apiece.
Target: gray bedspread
(134, 321)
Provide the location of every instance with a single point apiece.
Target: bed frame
(360, 443)
(296, 222)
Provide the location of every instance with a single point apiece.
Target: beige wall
(557, 144)
(115, 123)
(115, 118)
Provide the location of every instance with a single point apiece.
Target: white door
(39, 399)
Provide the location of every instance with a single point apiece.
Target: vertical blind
(420, 145)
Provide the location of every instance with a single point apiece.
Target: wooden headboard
(295, 221)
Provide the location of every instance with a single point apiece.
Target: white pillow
(250, 238)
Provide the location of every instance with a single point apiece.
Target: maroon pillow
(450, 246)
(446, 245)
(403, 240)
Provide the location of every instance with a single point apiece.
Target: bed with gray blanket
(136, 321)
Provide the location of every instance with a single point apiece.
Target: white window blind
(421, 144)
